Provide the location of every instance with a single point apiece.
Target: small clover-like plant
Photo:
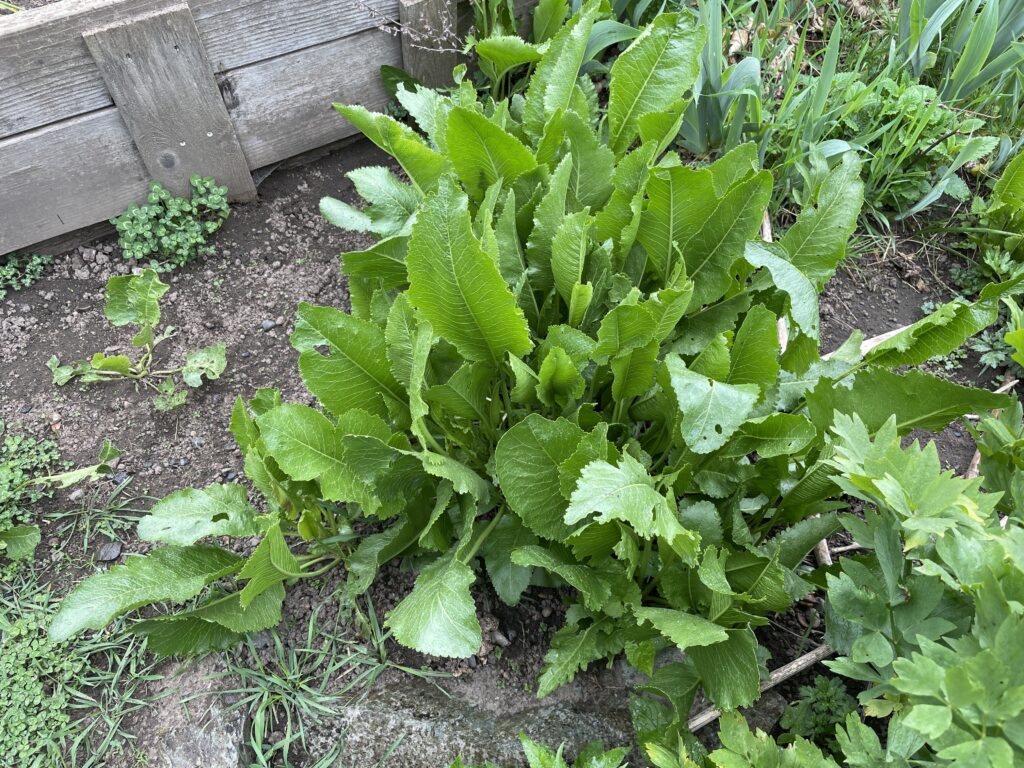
(135, 300)
(169, 230)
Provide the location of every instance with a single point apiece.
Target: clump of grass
(63, 703)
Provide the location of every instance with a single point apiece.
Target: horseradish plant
(562, 367)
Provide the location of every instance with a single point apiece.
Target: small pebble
(76, 494)
(109, 551)
(279, 320)
(27, 407)
(268, 325)
(498, 638)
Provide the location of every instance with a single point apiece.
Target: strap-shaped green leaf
(457, 286)
(355, 373)
(554, 80)
(658, 67)
(816, 243)
(423, 165)
(174, 574)
(486, 153)
(191, 514)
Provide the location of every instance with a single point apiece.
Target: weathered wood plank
(48, 74)
(67, 176)
(240, 32)
(283, 107)
(156, 71)
(429, 40)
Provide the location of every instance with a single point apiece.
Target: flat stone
(109, 551)
(191, 726)
(478, 718)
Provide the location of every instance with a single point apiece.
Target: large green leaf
(574, 648)
(593, 588)
(422, 164)
(816, 243)
(457, 286)
(191, 514)
(686, 630)
(569, 252)
(592, 163)
(625, 492)
(172, 574)
(19, 542)
(509, 580)
(303, 442)
(729, 670)
(803, 295)
(526, 463)
(730, 221)
(547, 221)
(270, 564)
(755, 351)
(439, 617)
(777, 434)
(943, 330)
(216, 625)
(918, 400)
(553, 82)
(355, 373)
(485, 153)
(712, 410)
(658, 68)
(505, 52)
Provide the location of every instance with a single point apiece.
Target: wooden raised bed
(100, 96)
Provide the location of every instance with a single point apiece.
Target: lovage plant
(562, 366)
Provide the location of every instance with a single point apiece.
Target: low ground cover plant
(22, 460)
(135, 300)
(570, 362)
(169, 231)
(20, 271)
(26, 476)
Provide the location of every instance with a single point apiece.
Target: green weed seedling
(23, 462)
(135, 300)
(169, 230)
(21, 271)
(22, 458)
(816, 713)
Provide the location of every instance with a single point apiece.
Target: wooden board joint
(158, 75)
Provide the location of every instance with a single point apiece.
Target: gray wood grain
(48, 74)
(282, 107)
(67, 176)
(429, 50)
(161, 82)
